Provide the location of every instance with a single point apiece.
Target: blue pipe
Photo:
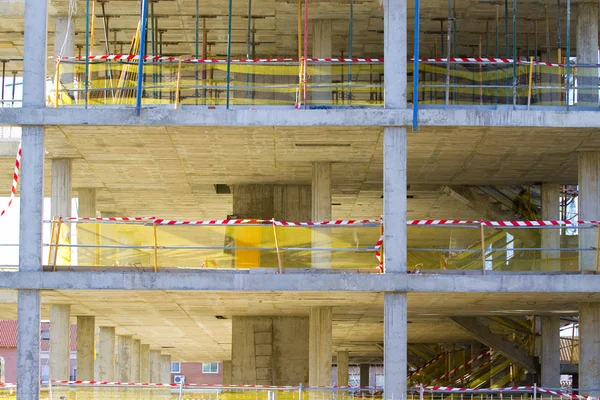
(416, 70)
(143, 15)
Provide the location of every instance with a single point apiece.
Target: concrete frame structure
(395, 283)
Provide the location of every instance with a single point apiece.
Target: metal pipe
(3, 79)
(547, 34)
(87, 49)
(248, 39)
(350, 35)
(506, 28)
(416, 68)
(448, 44)
(12, 103)
(305, 58)
(197, 43)
(568, 52)
(228, 53)
(143, 14)
(535, 41)
(514, 54)
(153, 48)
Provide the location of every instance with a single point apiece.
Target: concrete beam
(191, 116)
(497, 342)
(303, 282)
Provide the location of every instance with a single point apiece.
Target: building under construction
(297, 189)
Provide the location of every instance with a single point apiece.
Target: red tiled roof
(8, 335)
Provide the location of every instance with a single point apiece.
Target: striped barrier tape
(562, 394)
(478, 368)
(455, 389)
(15, 182)
(462, 60)
(420, 222)
(138, 384)
(501, 223)
(455, 370)
(427, 364)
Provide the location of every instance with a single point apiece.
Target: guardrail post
(155, 248)
(483, 248)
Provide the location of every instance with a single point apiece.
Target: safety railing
(214, 83)
(81, 390)
(433, 246)
(112, 80)
(493, 81)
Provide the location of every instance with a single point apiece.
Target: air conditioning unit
(179, 379)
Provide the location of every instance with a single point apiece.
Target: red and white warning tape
(13, 189)
(481, 366)
(131, 57)
(322, 223)
(461, 60)
(455, 370)
(500, 223)
(427, 364)
(91, 219)
(105, 383)
(562, 394)
(455, 389)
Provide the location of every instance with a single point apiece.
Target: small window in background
(210, 368)
(175, 367)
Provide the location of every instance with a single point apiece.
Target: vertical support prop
(483, 248)
(448, 50)
(142, 54)
(279, 262)
(568, 75)
(416, 67)
(155, 246)
(59, 223)
(530, 82)
(514, 39)
(228, 53)
(87, 50)
(178, 85)
(56, 84)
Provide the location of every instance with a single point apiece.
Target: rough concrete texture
(165, 369)
(28, 345)
(550, 237)
(589, 348)
(124, 357)
(135, 360)
(227, 372)
(589, 206)
(105, 357)
(155, 369)
(550, 376)
(60, 341)
(269, 350)
(60, 205)
(342, 368)
(395, 344)
(145, 363)
(320, 346)
(321, 211)
(85, 347)
(86, 234)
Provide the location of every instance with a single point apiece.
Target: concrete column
(28, 344)
(394, 199)
(321, 211)
(60, 204)
(155, 376)
(395, 345)
(60, 342)
(124, 357)
(589, 206)
(135, 360)
(269, 350)
(365, 370)
(64, 39)
(320, 350)
(145, 363)
(587, 52)
(550, 237)
(227, 372)
(253, 201)
(85, 348)
(342, 368)
(551, 352)
(321, 33)
(105, 356)
(165, 368)
(589, 348)
(86, 233)
(32, 200)
(394, 52)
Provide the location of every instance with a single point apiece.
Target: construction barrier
(152, 243)
(330, 82)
